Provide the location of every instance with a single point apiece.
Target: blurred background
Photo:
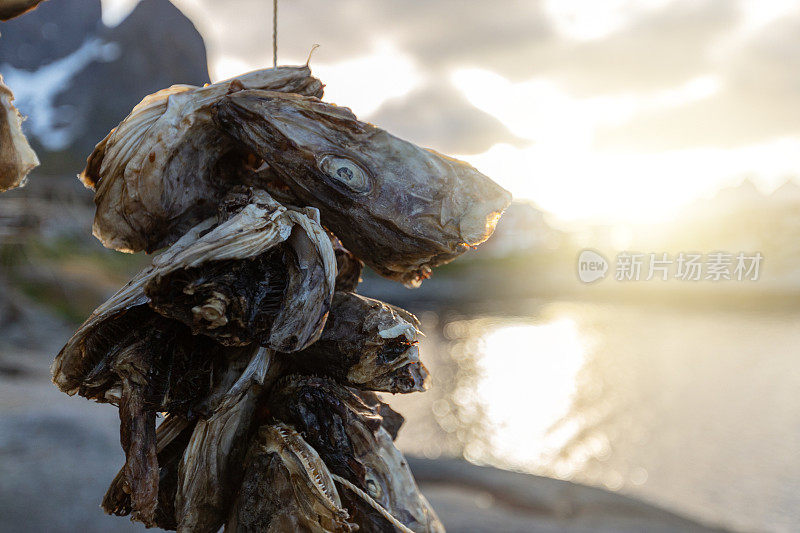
(620, 126)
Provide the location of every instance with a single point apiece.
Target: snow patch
(35, 92)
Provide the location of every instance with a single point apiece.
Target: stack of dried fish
(246, 332)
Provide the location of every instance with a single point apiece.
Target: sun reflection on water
(524, 379)
(610, 395)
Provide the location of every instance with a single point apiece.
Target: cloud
(438, 117)
(428, 39)
(651, 48)
(660, 48)
(438, 34)
(758, 100)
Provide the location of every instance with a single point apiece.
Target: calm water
(697, 411)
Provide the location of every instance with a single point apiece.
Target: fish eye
(373, 486)
(346, 172)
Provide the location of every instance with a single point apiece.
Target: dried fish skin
(349, 436)
(390, 482)
(286, 487)
(14, 8)
(202, 447)
(391, 420)
(166, 166)
(89, 345)
(168, 463)
(17, 158)
(172, 437)
(401, 209)
(348, 267)
(295, 399)
(311, 265)
(254, 230)
(138, 431)
(233, 301)
(366, 344)
(211, 466)
(312, 278)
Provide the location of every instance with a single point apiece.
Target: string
(274, 33)
(372, 503)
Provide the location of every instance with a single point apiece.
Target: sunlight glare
(115, 11)
(593, 19)
(527, 376)
(361, 83)
(638, 188)
(364, 83)
(565, 174)
(227, 67)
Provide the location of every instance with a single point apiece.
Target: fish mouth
(477, 227)
(479, 219)
(286, 441)
(412, 378)
(408, 374)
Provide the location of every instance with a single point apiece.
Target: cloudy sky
(613, 109)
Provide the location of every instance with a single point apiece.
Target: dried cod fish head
(400, 208)
(389, 482)
(17, 158)
(366, 344)
(248, 233)
(286, 487)
(350, 438)
(166, 166)
(255, 229)
(108, 327)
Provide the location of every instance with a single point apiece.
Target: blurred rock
(475, 498)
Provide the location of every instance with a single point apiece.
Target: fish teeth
(292, 440)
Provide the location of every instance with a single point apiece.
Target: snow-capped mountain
(75, 78)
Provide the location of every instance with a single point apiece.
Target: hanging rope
(274, 33)
(372, 503)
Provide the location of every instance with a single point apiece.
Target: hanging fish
(167, 166)
(17, 158)
(145, 353)
(212, 463)
(246, 329)
(297, 312)
(172, 438)
(399, 208)
(375, 483)
(286, 487)
(366, 344)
